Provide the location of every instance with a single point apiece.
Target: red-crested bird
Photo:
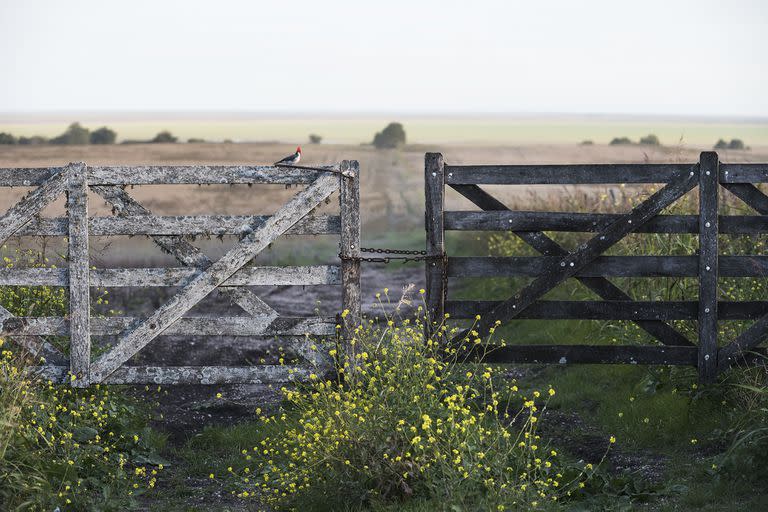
(292, 159)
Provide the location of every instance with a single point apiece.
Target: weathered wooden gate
(587, 264)
(197, 277)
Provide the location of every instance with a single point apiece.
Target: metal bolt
(706, 357)
(707, 267)
(629, 221)
(571, 263)
(707, 173)
(450, 175)
(352, 246)
(510, 221)
(691, 173)
(707, 224)
(434, 174)
(562, 263)
(706, 310)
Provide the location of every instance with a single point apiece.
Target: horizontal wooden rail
(592, 174)
(607, 266)
(169, 175)
(576, 174)
(185, 326)
(593, 222)
(743, 173)
(167, 375)
(122, 277)
(612, 310)
(588, 354)
(214, 225)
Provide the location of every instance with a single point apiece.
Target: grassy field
(464, 131)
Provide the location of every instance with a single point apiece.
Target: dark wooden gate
(590, 267)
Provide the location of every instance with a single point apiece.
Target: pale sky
(686, 57)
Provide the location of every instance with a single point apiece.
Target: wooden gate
(591, 268)
(195, 279)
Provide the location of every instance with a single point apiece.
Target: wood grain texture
(349, 248)
(309, 275)
(79, 264)
(174, 375)
(434, 191)
(197, 288)
(548, 247)
(196, 225)
(594, 222)
(575, 174)
(612, 310)
(606, 266)
(185, 326)
(31, 205)
(743, 173)
(708, 266)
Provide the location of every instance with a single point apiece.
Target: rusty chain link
(405, 255)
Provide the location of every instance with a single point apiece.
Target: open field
(466, 130)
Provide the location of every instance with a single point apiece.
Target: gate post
(434, 190)
(79, 268)
(708, 265)
(349, 210)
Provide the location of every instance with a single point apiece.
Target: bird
(291, 159)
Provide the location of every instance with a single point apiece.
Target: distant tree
(75, 134)
(103, 135)
(164, 137)
(390, 137)
(620, 140)
(721, 144)
(35, 139)
(7, 138)
(736, 144)
(586, 143)
(227, 141)
(194, 140)
(315, 139)
(650, 140)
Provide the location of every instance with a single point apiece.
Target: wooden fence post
(708, 265)
(79, 288)
(434, 190)
(349, 210)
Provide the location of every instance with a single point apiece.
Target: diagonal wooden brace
(548, 247)
(138, 336)
(575, 261)
(186, 253)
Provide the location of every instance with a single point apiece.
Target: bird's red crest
(298, 149)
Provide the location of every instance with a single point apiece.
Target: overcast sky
(689, 57)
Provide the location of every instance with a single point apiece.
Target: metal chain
(345, 174)
(411, 255)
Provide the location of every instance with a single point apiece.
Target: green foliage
(620, 141)
(586, 143)
(736, 144)
(195, 140)
(315, 139)
(35, 139)
(7, 138)
(405, 420)
(88, 449)
(392, 136)
(75, 134)
(650, 140)
(721, 144)
(103, 135)
(164, 137)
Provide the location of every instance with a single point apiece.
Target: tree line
(76, 134)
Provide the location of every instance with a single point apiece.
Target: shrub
(64, 448)
(164, 137)
(586, 143)
(409, 422)
(620, 141)
(103, 135)
(35, 139)
(7, 138)
(315, 139)
(721, 144)
(392, 136)
(650, 140)
(75, 134)
(194, 140)
(736, 144)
